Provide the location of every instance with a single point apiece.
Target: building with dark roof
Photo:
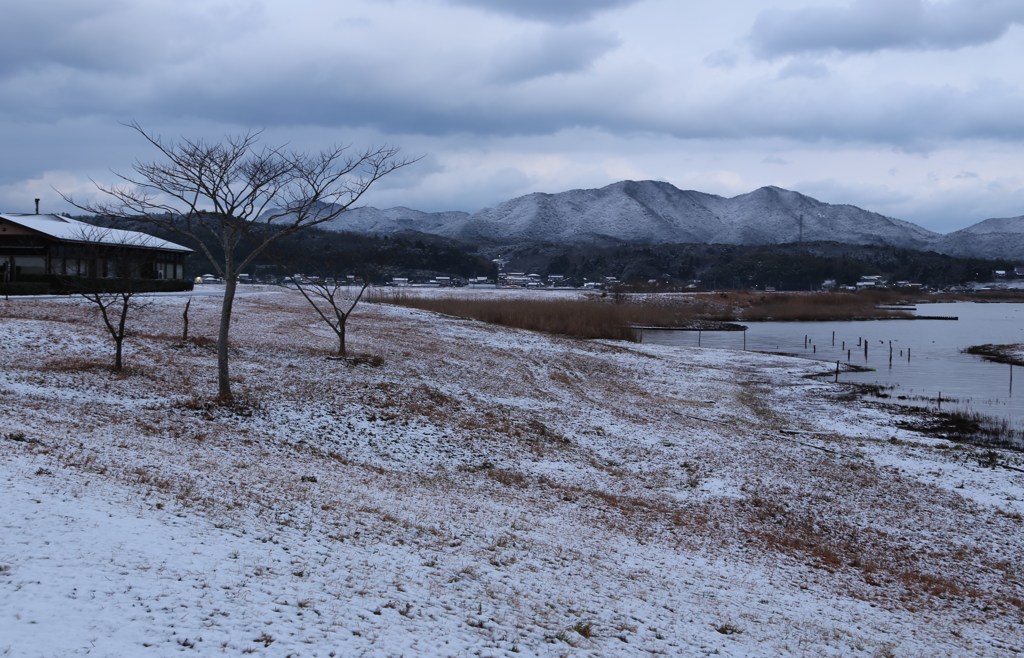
(49, 248)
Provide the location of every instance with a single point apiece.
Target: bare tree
(328, 297)
(114, 307)
(112, 264)
(237, 193)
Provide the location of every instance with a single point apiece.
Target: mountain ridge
(650, 212)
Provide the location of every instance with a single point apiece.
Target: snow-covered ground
(458, 489)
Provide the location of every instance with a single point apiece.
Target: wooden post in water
(833, 339)
(890, 354)
(814, 349)
(849, 354)
(908, 355)
(698, 338)
(865, 349)
(837, 372)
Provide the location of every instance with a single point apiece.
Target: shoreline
(1011, 353)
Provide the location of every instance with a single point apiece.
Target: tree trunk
(341, 338)
(126, 299)
(184, 324)
(223, 382)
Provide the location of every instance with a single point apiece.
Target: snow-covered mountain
(395, 220)
(658, 212)
(653, 212)
(992, 238)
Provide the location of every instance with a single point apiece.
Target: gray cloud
(871, 25)
(532, 80)
(115, 37)
(558, 51)
(548, 11)
(721, 59)
(912, 118)
(804, 68)
(360, 91)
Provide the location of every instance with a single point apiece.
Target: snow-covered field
(460, 489)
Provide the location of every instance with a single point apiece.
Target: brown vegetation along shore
(617, 316)
(1012, 353)
(820, 306)
(1007, 295)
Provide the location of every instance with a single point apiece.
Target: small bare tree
(113, 263)
(233, 198)
(332, 303)
(114, 307)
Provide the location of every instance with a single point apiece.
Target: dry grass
(789, 307)
(578, 318)
(616, 317)
(76, 364)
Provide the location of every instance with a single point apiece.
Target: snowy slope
(992, 238)
(475, 491)
(651, 212)
(393, 220)
(625, 211)
(772, 215)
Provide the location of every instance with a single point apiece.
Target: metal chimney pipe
(37, 206)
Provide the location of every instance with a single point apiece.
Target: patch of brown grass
(787, 307)
(76, 364)
(834, 545)
(508, 478)
(617, 317)
(578, 318)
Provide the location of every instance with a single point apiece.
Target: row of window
(21, 265)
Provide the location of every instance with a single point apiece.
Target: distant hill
(654, 212)
(992, 238)
(649, 212)
(372, 221)
(658, 213)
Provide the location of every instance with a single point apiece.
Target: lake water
(937, 365)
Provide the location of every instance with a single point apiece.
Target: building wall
(7, 228)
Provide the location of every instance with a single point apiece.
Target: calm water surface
(936, 365)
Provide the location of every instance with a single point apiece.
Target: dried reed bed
(825, 306)
(617, 315)
(580, 318)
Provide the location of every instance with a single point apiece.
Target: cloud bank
(871, 25)
(508, 98)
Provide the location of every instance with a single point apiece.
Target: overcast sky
(911, 108)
